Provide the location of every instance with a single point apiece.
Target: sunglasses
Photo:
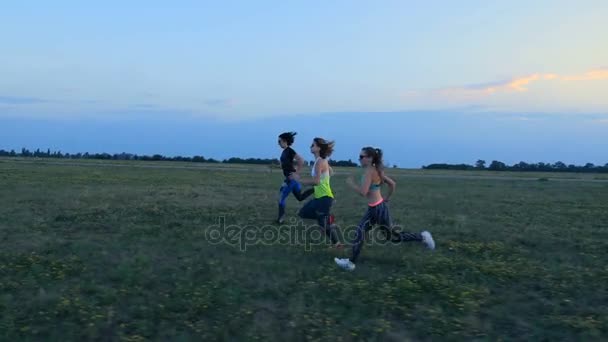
(361, 157)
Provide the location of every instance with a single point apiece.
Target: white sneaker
(427, 239)
(345, 264)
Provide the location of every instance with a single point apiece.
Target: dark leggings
(319, 209)
(379, 215)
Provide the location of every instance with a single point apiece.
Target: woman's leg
(309, 210)
(283, 194)
(364, 225)
(386, 224)
(297, 191)
(324, 218)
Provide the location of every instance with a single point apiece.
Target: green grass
(104, 252)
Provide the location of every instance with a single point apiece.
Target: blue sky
(508, 80)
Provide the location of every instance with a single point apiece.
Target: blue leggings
(291, 186)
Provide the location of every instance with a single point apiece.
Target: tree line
(156, 157)
(521, 166)
(479, 165)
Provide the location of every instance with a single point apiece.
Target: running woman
(291, 163)
(319, 207)
(377, 207)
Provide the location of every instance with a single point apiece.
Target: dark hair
(288, 137)
(326, 147)
(377, 162)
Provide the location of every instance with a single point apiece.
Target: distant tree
(560, 166)
(497, 166)
(448, 167)
(342, 163)
(232, 160)
(480, 164)
(102, 156)
(544, 167)
(183, 159)
(122, 156)
(521, 166)
(589, 166)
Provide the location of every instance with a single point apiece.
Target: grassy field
(122, 251)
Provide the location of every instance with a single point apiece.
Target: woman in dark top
(291, 163)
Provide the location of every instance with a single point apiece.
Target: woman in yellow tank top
(319, 207)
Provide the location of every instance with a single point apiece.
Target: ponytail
(379, 163)
(376, 155)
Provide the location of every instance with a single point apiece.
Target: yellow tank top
(324, 188)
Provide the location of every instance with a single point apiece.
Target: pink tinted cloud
(519, 84)
(592, 75)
